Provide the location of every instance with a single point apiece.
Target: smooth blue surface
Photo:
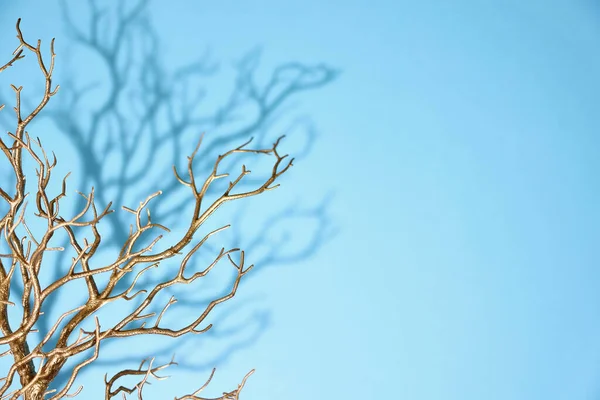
(462, 143)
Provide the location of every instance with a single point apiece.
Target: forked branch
(37, 364)
(151, 372)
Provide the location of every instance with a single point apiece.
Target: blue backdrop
(461, 143)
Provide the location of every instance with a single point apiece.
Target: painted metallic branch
(150, 372)
(26, 254)
(152, 102)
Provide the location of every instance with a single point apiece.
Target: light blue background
(461, 142)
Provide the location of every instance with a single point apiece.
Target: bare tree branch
(148, 111)
(38, 366)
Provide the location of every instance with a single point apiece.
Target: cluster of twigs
(37, 366)
(148, 106)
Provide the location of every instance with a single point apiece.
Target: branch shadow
(138, 102)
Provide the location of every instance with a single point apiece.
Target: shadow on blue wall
(140, 114)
